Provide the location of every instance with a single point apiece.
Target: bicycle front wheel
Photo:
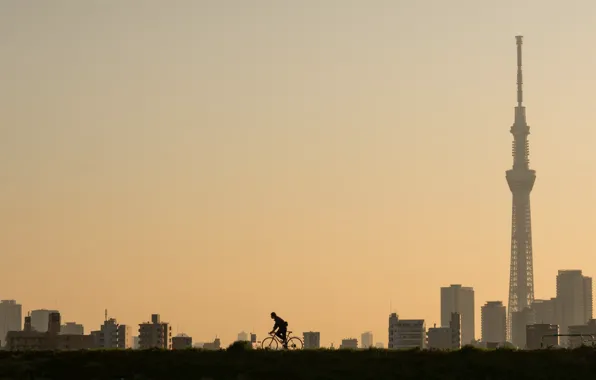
(269, 344)
(295, 343)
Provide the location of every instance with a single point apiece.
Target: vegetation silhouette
(241, 362)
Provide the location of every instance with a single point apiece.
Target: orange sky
(213, 161)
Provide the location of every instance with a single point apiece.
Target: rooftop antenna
(106, 315)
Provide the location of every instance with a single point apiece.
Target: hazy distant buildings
(379, 345)
(446, 338)
(494, 322)
(519, 321)
(10, 318)
(545, 311)
(155, 334)
(243, 337)
(588, 330)
(349, 344)
(40, 319)
(72, 328)
(459, 299)
(406, 333)
(312, 340)
(113, 335)
(574, 299)
(135, 342)
(181, 342)
(215, 345)
(366, 340)
(537, 336)
(29, 339)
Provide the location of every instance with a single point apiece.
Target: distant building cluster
(42, 330)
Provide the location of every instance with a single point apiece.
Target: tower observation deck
(521, 181)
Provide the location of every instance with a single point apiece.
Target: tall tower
(521, 181)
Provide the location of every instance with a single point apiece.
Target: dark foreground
(307, 365)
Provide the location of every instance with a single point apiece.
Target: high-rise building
(588, 300)
(312, 340)
(155, 334)
(40, 319)
(494, 322)
(393, 334)
(519, 322)
(10, 318)
(459, 299)
(545, 311)
(72, 328)
(366, 340)
(125, 339)
(521, 182)
(574, 299)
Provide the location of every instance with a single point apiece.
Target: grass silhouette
(245, 364)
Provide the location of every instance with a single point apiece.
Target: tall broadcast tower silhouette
(521, 181)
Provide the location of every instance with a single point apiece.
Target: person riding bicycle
(282, 328)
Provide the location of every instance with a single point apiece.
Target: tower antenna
(520, 80)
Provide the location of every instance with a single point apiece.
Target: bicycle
(273, 342)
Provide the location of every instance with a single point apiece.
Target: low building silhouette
(349, 344)
(588, 331)
(537, 336)
(181, 342)
(446, 338)
(29, 339)
(155, 334)
(72, 328)
(212, 346)
(312, 340)
(113, 335)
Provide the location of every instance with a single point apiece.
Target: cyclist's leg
(282, 335)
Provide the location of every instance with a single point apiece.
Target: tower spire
(520, 80)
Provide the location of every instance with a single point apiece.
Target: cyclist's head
(273, 315)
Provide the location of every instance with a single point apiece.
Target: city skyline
(174, 159)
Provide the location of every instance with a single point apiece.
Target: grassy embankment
(319, 364)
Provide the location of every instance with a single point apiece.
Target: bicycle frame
(278, 339)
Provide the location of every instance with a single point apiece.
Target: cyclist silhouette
(282, 328)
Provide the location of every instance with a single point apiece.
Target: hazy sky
(213, 161)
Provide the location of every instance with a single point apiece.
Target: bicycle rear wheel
(295, 343)
(269, 344)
